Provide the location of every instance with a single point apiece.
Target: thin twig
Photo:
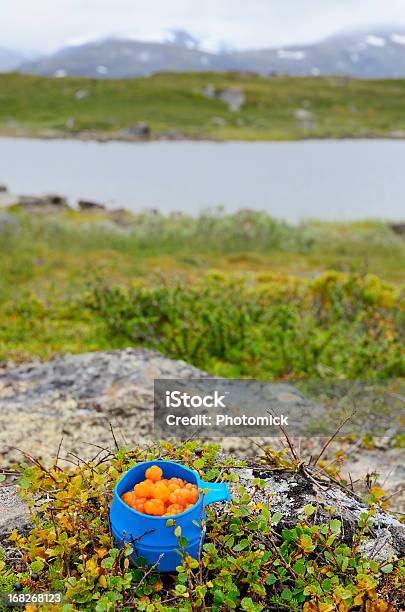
(113, 435)
(330, 440)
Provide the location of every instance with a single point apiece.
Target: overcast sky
(45, 25)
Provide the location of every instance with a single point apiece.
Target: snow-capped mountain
(378, 53)
(112, 58)
(375, 54)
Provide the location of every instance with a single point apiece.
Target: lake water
(346, 179)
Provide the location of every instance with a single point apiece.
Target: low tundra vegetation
(175, 103)
(239, 294)
(250, 561)
(340, 325)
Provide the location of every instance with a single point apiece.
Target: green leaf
(219, 597)
(177, 531)
(180, 588)
(387, 569)
(345, 563)
(276, 518)
(271, 579)
(299, 566)
(288, 535)
(24, 482)
(247, 604)
(241, 546)
(309, 509)
(286, 594)
(37, 566)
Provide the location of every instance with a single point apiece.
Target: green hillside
(174, 105)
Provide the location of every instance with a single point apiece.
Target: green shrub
(338, 325)
(249, 560)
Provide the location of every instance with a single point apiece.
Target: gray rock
(70, 123)
(122, 217)
(90, 205)
(14, 513)
(3, 188)
(27, 201)
(208, 91)
(291, 492)
(234, 98)
(398, 228)
(77, 396)
(218, 121)
(303, 114)
(74, 399)
(81, 94)
(140, 130)
(397, 134)
(305, 119)
(174, 134)
(51, 201)
(56, 200)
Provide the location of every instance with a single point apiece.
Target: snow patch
(375, 41)
(293, 55)
(79, 41)
(60, 73)
(101, 69)
(398, 38)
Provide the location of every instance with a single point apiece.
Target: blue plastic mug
(149, 535)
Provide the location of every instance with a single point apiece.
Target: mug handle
(216, 491)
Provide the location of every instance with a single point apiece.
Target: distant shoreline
(107, 138)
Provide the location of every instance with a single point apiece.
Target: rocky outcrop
(138, 131)
(234, 97)
(398, 228)
(90, 205)
(73, 400)
(77, 396)
(47, 202)
(290, 492)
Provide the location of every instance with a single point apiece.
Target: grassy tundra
(277, 108)
(239, 295)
